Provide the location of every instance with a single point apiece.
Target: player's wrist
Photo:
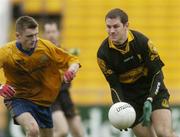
(149, 99)
(1, 86)
(74, 67)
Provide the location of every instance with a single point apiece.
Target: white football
(121, 115)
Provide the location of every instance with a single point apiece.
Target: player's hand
(68, 76)
(7, 91)
(147, 110)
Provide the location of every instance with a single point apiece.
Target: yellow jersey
(35, 77)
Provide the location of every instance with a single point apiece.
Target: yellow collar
(130, 38)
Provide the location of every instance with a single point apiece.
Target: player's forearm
(155, 84)
(74, 67)
(116, 89)
(117, 95)
(71, 72)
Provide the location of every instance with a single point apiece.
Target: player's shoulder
(8, 46)
(140, 41)
(8, 49)
(139, 35)
(44, 42)
(48, 46)
(104, 46)
(104, 43)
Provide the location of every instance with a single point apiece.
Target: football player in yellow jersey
(31, 66)
(65, 116)
(133, 69)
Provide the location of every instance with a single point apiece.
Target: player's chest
(31, 63)
(124, 62)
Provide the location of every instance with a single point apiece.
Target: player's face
(28, 38)
(51, 33)
(117, 31)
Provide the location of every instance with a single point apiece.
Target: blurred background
(82, 26)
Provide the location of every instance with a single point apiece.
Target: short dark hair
(25, 22)
(117, 13)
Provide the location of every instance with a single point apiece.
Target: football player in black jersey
(133, 69)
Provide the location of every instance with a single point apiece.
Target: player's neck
(122, 46)
(25, 50)
(122, 40)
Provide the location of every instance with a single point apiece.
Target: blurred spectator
(65, 115)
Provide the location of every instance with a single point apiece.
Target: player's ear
(126, 24)
(17, 35)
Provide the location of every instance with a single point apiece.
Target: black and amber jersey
(35, 77)
(131, 67)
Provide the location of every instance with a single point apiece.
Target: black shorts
(64, 102)
(160, 101)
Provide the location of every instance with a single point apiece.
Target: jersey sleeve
(3, 56)
(111, 78)
(62, 58)
(151, 57)
(154, 65)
